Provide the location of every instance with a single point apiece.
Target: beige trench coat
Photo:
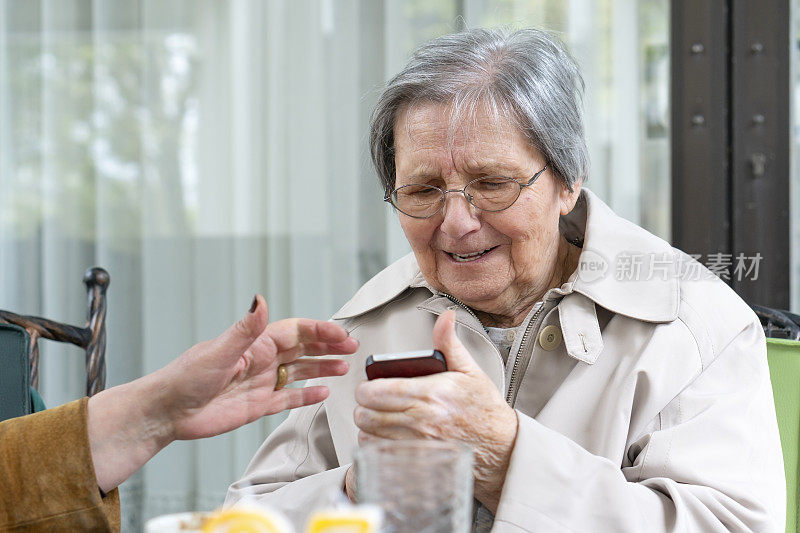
(652, 412)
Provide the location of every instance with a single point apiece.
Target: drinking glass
(422, 486)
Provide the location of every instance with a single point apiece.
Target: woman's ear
(568, 198)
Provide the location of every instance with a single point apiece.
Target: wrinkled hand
(461, 404)
(219, 385)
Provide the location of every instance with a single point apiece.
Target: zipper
(515, 370)
(465, 306)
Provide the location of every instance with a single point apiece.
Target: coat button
(550, 337)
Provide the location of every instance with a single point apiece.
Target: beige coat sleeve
(713, 463)
(296, 469)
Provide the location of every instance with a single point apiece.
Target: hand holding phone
(405, 364)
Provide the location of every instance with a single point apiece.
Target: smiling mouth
(466, 258)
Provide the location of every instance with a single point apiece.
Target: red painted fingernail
(254, 305)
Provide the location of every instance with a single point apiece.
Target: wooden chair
(91, 337)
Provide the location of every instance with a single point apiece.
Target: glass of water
(422, 486)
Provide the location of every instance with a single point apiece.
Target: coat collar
(622, 268)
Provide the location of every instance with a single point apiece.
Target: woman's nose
(460, 217)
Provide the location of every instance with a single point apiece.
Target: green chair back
(784, 369)
(15, 396)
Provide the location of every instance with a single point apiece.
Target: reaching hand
(219, 385)
(214, 387)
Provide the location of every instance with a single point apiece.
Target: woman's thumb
(445, 340)
(238, 338)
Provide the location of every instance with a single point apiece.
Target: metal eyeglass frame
(463, 190)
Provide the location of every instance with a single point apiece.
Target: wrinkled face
(493, 262)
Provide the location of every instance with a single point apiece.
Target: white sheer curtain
(205, 150)
(201, 152)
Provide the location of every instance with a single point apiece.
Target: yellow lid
(244, 521)
(344, 521)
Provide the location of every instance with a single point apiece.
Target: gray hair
(526, 76)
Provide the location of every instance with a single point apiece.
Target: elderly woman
(594, 398)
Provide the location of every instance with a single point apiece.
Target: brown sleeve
(47, 475)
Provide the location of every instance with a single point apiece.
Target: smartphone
(405, 364)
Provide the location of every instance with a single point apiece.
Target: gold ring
(283, 376)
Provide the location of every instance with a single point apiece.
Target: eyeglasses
(490, 193)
